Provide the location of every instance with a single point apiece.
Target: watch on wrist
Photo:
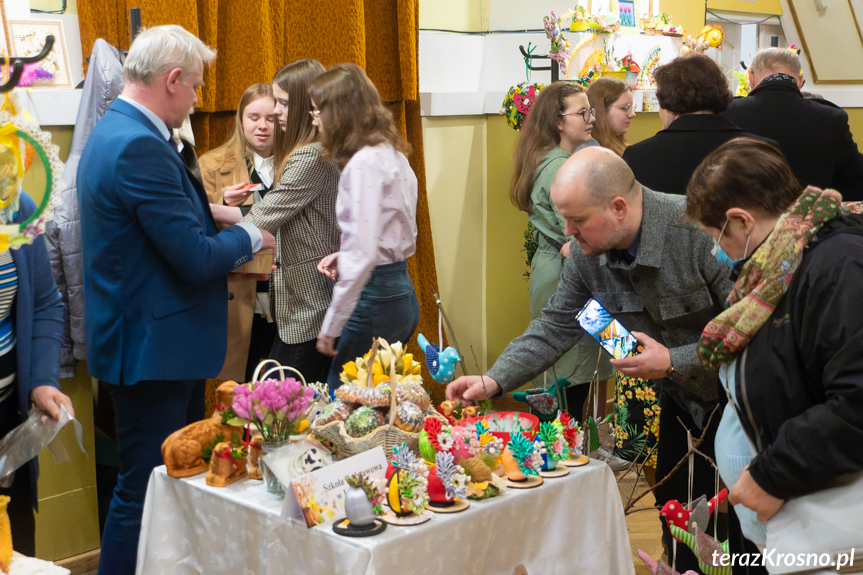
(670, 371)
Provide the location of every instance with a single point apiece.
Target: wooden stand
(531, 482)
(456, 506)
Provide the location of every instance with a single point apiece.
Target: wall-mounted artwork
(628, 14)
(27, 37)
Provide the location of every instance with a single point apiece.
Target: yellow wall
(749, 6)
(459, 15)
(49, 5)
(508, 303)
(456, 145)
(686, 13)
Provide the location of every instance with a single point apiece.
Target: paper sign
(319, 496)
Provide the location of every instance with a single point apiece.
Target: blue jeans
(387, 308)
(147, 413)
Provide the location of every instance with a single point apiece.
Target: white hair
(163, 48)
(776, 60)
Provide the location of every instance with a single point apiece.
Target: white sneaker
(614, 462)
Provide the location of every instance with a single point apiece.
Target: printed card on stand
(319, 496)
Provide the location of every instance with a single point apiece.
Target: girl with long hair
(560, 121)
(612, 100)
(301, 212)
(246, 156)
(374, 295)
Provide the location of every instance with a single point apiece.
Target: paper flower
(452, 476)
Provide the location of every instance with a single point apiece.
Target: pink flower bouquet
(277, 408)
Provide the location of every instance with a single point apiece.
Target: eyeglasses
(585, 114)
(626, 109)
(314, 114)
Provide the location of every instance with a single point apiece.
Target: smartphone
(610, 333)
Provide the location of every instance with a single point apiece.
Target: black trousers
(264, 335)
(671, 449)
(303, 357)
(23, 498)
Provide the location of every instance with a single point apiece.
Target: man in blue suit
(155, 268)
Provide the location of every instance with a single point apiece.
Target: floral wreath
(518, 102)
(16, 131)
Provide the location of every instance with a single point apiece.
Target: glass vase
(272, 450)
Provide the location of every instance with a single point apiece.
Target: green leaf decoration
(207, 452)
(522, 449)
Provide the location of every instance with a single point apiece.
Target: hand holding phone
(610, 333)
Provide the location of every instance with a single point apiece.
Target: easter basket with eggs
(367, 414)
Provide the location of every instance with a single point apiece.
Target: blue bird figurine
(441, 364)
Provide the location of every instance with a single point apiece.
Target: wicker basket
(386, 436)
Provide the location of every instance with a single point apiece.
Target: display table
(573, 524)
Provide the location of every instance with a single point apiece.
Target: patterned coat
(301, 212)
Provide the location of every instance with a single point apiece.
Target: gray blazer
(103, 84)
(670, 292)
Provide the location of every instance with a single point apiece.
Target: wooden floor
(643, 526)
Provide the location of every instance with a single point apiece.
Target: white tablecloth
(573, 524)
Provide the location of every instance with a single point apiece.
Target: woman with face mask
(560, 121)
(243, 161)
(788, 347)
(301, 211)
(612, 100)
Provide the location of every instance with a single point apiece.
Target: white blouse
(377, 214)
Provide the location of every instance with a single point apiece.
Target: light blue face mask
(720, 254)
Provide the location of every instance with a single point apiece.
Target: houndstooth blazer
(301, 212)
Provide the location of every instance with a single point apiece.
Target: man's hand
(329, 266)
(236, 195)
(326, 345)
(750, 495)
(652, 363)
(49, 399)
(269, 241)
(470, 388)
(564, 251)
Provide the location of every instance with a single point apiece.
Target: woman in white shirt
(376, 211)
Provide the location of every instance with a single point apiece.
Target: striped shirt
(8, 289)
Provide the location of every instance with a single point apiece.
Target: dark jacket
(38, 322)
(800, 379)
(666, 161)
(814, 136)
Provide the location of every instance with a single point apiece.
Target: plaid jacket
(670, 292)
(300, 211)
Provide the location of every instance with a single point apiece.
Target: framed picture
(27, 37)
(628, 13)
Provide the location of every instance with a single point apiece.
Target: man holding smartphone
(655, 274)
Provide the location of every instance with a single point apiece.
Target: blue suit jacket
(38, 323)
(155, 265)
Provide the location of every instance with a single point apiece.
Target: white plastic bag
(38, 432)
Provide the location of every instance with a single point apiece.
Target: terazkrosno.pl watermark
(774, 559)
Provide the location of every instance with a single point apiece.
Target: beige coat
(220, 169)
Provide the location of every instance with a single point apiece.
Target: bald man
(655, 274)
(813, 134)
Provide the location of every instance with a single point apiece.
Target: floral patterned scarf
(765, 277)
